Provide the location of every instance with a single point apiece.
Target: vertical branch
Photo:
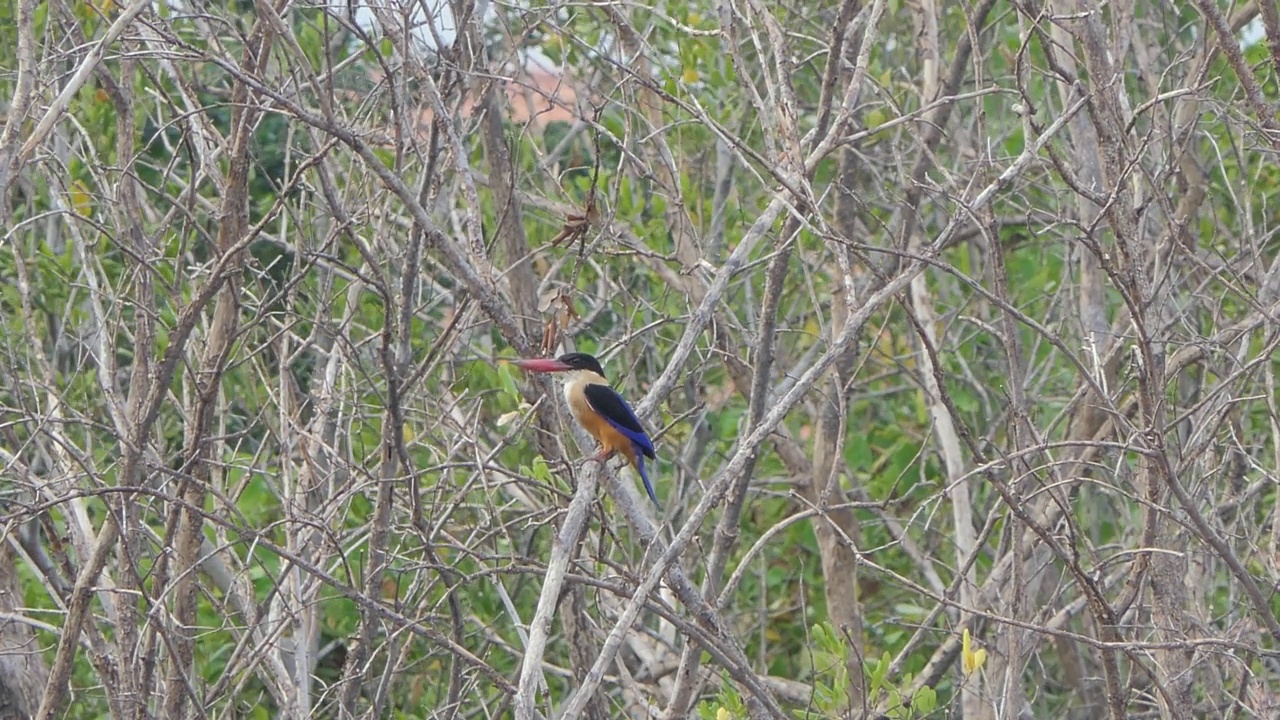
(727, 530)
(1270, 21)
(358, 662)
(23, 673)
(943, 424)
(944, 428)
(95, 558)
(837, 528)
(20, 103)
(358, 658)
(1023, 436)
(562, 550)
(512, 243)
(841, 587)
(86, 69)
(198, 447)
(1108, 116)
(661, 160)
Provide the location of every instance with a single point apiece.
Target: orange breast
(611, 440)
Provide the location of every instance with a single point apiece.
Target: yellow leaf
(106, 7)
(690, 75)
(81, 201)
(971, 660)
(874, 119)
(723, 714)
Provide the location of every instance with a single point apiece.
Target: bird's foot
(601, 457)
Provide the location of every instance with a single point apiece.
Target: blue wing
(619, 414)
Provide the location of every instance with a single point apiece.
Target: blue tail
(644, 475)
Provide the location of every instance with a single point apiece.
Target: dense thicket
(955, 323)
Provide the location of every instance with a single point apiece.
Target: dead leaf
(550, 336)
(569, 313)
(576, 225)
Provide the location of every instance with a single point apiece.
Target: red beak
(547, 365)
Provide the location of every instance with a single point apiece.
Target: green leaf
(925, 700)
(507, 382)
(541, 471)
(859, 452)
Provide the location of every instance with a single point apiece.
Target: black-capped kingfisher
(600, 410)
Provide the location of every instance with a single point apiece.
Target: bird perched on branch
(600, 410)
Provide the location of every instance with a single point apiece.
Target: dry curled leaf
(550, 336)
(576, 225)
(559, 304)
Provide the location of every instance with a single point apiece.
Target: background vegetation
(956, 325)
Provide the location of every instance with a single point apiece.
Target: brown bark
(23, 672)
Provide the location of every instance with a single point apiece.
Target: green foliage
(830, 666)
(728, 705)
(831, 682)
(894, 694)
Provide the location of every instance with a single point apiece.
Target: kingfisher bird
(600, 410)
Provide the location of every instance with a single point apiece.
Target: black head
(581, 361)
